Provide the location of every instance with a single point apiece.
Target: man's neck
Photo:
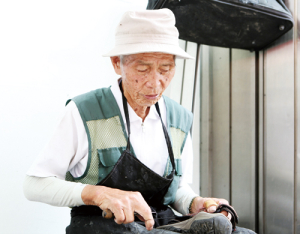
(141, 111)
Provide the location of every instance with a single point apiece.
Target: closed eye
(142, 68)
(166, 68)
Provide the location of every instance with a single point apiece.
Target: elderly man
(125, 150)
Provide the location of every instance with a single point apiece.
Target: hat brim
(127, 49)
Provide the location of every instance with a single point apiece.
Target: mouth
(151, 97)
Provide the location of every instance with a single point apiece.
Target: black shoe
(202, 223)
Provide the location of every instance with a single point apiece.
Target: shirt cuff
(183, 199)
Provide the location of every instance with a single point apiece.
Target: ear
(116, 64)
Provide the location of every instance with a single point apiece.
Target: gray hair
(122, 58)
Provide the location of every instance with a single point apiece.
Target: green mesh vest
(107, 137)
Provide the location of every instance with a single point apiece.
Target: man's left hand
(198, 205)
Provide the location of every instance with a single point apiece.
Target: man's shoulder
(175, 106)
(92, 95)
(96, 104)
(177, 115)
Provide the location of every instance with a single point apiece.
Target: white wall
(49, 51)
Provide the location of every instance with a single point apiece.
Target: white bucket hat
(147, 31)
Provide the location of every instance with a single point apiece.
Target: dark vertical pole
(197, 70)
(257, 140)
(296, 161)
(196, 76)
(184, 64)
(230, 125)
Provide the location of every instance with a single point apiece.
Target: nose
(154, 80)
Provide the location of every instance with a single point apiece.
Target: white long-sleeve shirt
(67, 150)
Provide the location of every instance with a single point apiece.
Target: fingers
(120, 217)
(125, 217)
(227, 214)
(209, 204)
(144, 214)
(123, 213)
(128, 217)
(149, 224)
(124, 204)
(221, 201)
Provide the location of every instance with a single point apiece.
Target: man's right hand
(122, 204)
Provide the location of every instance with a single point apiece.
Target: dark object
(234, 218)
(244, 24)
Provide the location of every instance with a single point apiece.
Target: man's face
(146, 76)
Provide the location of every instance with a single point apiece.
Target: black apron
(128, 174)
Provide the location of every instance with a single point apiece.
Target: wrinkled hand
(198, 205)
(122, 204)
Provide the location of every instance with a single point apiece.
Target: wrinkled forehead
(148, 58)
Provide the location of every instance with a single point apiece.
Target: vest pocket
(109, 157)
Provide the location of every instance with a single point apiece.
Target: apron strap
(127, 119)
(168, 141)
